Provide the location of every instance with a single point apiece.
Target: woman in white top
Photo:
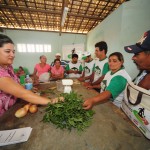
(113, 84)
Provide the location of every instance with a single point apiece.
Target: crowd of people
(105, 74)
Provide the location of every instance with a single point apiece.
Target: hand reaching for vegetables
(88, 104)
(57, 99)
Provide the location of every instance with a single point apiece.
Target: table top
(110, 128)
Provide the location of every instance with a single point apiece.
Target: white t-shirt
(77, 67)
(115, 83)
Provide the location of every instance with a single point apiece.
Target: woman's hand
(88, 104)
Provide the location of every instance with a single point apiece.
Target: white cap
(58, 54)
(85, 54)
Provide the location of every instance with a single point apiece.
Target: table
(110, 129)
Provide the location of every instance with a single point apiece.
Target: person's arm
(57, 76)
(68, 70)
(98, 81)
(100, 98)
(97, 86)
(18, 91)
(35, 77)
(115, 87)
(91, 77)
(82, 78)
(35, 72)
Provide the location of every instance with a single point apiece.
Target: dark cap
(142, 45)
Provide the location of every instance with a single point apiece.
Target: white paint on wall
(35, 37)
(123, 27)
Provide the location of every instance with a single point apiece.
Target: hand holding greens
(69, 114)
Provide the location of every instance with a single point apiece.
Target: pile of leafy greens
(69, 114)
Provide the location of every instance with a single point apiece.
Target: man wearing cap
(101, 66)
(141, 58)
(136, 103)
(74, 68)
(63, 62)
(88, 67)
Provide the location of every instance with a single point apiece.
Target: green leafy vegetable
(69, 114)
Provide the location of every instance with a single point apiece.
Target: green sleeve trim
(93, 68)
(80, 68)
(67, 67)
(116, 86)
(105, 69)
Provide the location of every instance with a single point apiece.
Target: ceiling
(46, 15)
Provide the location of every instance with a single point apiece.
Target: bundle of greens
(69, 114)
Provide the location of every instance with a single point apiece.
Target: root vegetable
(33, 109)
(27, 106)
(21, 112)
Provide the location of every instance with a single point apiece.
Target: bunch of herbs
(69, 114)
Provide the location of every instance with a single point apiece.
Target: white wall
(34, 37)
(123, 27)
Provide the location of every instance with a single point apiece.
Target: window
(31, 48)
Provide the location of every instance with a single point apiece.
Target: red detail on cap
(145, 34)
(130, 49)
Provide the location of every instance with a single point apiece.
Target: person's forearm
(98, 81)
(79, 72)
(102, 97)
(33, 98)
(96, 86)
(88, 77)
(70, 71)
(19, 91)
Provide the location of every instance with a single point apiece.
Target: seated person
(74, 68)
(100, 68)
(63, 63)
(88, 67)
(113, 84)
(9, 80)
(57, 71)
(41, 68)
(20, 72)
(137, 106)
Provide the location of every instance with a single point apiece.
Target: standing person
(88, 67)
(41, 68)
(113, 84)
(57, 71)
(101, 65)
(74, 68)
(9, 81)
(136, 103)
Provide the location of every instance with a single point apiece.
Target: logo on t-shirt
(97, 70)
(74, 68)
(87, 70)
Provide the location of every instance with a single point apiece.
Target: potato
(27, 106)
(21, 112)
(33, 109)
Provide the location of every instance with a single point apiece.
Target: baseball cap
(142, 45)
(85, 55)
(58, 54)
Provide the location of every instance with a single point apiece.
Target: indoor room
(74, 74)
